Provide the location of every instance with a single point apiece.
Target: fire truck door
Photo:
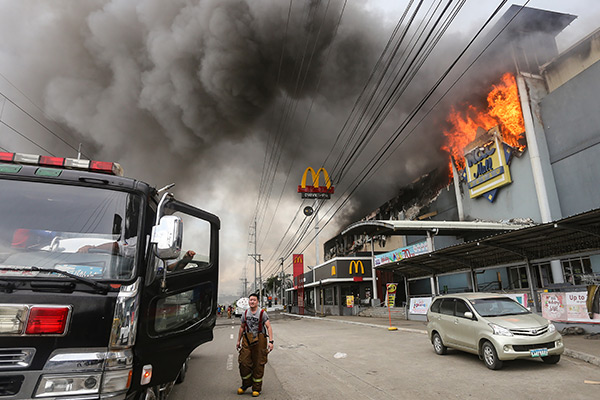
(179, 314)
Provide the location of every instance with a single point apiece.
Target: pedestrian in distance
(255, 341)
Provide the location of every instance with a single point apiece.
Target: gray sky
(192, 91)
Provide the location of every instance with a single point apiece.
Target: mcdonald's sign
(315, 191)
(356, 264)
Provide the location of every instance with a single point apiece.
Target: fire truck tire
(148, 394)
(182, 372)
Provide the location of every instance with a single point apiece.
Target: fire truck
(106, 284)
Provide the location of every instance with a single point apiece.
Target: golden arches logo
(356, 264)
(315, 188)
(299, 259)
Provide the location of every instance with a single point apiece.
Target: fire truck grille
(10, 385)
(16, 358)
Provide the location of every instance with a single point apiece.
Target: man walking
(253, 347)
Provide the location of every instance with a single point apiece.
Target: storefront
(339, 286)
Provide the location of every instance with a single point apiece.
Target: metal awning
(572, 236)
(406, 227)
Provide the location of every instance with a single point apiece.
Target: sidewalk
(582, 347)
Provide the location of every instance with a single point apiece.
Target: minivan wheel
(551, 359)
(490, 357)
(438, 345)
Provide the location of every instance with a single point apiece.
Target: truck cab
(106, 284)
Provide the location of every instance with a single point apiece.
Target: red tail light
(47, 320)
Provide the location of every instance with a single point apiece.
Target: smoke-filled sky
(196, 92)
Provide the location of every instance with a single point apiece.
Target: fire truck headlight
(116, 381)
(75, 384)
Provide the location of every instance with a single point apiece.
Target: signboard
(298, 265)
(350, 301)
(566, 307)
(419, 305)
(487, 168)
(357, 269)
(390, 294)
(315, 191)
(402, 253)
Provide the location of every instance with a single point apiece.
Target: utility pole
(258, 259)
(255, 240)
(245, 291)
(317, 231)
(282, 280)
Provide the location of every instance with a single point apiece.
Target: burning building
(521, 149)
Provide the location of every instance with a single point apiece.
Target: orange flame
(504, 110)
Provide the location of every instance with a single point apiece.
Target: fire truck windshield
(88, 232)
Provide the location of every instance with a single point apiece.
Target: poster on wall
(520, 298)
(419, 305)
(567, 307)
(350, 301)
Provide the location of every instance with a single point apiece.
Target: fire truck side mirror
(168, 236)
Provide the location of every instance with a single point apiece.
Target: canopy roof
(406, 227)
(572, 236)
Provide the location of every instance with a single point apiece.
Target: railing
(494, 285)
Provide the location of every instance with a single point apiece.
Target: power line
(34, 118)
(26, 138)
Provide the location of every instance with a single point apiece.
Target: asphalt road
(316, 359)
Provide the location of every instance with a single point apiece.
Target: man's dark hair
(253, 294)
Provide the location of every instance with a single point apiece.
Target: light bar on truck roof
(60, 162)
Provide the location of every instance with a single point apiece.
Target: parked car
(493, 326)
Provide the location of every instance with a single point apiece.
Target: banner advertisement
(350, 301)
(567, 307)
(402, 253)
(419, 305)
(520, 298)
(390, 294)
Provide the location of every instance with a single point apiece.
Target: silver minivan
(493, 326)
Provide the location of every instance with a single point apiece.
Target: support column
(407, 305)
(374, 296)
(531, 283)
(543, 178)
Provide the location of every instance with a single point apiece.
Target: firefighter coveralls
(253, 354)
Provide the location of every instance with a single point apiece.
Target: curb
(358, 323)
(568, 353)
(582, 356)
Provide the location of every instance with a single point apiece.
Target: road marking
(230, 362)
(231, 336)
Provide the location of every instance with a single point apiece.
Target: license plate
(538, 352)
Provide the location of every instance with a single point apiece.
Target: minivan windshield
(495, 307)
(88, 232)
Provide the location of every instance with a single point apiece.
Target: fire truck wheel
(182, 372)
(148, 395)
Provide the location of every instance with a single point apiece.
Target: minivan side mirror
(168, 236)
(468, 315)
